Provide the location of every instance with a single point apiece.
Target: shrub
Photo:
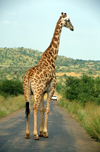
(83, 90)
(11, 87)
(60, 88)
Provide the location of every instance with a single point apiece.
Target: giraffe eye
(68, 21)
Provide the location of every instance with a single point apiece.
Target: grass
(70, 74)
(11, 104)
(88, 116)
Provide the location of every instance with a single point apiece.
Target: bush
(83, 90)
(72, 88)
(60, 88)
(11, 87)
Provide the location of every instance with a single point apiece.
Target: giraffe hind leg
(47, 110)
(41, 114)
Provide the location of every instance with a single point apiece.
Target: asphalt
(65, 134)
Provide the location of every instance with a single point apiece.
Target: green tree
(83, 90)
(72, 88)
(11, 87)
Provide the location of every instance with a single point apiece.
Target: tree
(11, 87)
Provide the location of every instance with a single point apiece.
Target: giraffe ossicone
(41, 79)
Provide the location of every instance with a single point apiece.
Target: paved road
(65, 134)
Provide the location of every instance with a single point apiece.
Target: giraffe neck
(51, 52)
(56, 39)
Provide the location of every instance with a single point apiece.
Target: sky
(31, 24)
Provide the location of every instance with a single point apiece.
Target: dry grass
(70, 74)
(10, 104)
(78, 75)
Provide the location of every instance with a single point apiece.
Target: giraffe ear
(65, 14)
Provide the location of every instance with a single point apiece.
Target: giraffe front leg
(35, 110)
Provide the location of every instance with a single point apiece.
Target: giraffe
(41, 79)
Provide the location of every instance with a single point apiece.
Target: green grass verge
(11, 104)
(88, 115)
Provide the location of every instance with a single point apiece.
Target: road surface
(65, 134)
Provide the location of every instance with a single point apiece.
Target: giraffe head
(66, 22)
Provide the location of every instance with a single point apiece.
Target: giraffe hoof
(41, 134)
(45, 135)
(36, 137)
(27, 136)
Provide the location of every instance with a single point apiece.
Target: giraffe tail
(27, 109)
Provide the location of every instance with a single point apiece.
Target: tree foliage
(83, 90)
(11, 87)
(60, 88)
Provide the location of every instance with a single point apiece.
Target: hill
(14, 62)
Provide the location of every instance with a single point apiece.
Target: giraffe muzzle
(72, 28)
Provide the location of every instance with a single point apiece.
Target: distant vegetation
(14, 62)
